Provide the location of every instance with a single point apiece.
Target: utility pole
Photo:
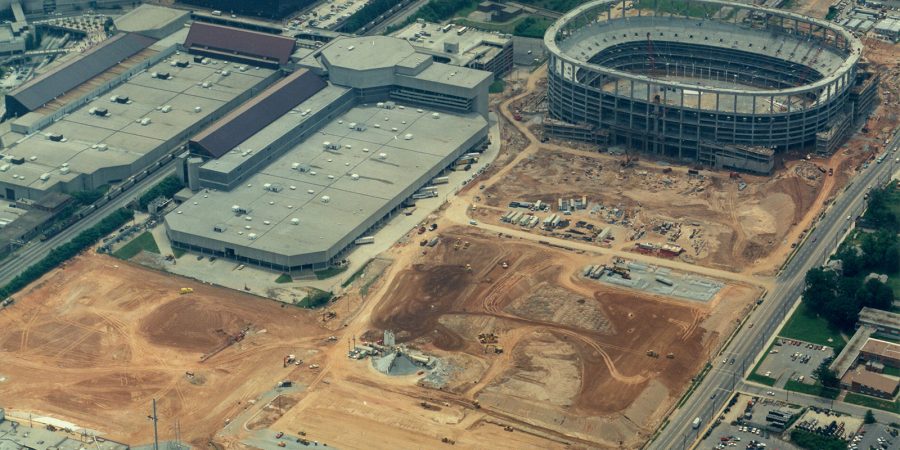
(155, 419)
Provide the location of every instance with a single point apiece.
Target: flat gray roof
(880, 318)
(149, 17)
(329, 173)
(126, 140)
(471, 43)
(366, 53)
(453, 75)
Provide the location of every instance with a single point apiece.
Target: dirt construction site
(579, 363)
(94, 342)
(720, 221)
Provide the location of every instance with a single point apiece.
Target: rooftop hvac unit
(389, 105)
(272, 187)
(32, 158)
(197, 109)
(309, 191)
(205, 85)
(435, 115)
(64, 170)
(242, 68)
(394, 129)
(365, 150)
(266, 222)
(166, 108)
(295, 166)
(45, 176)
(312, 172)
(293, 188)
(225, 73)
(121, 99)
(145, 121)
(248, 218)
(377, 125)
(326, 199)
(4, 167)
(102, 147)
(295, 221)
(182, 64)
(55, 137)
(238, 210)
(352, 125)
(382, 156)
(407, 137)
(252, 236)
(380, 104)
(219, 228)
(419, 111)
(330, 177)
(354, 176)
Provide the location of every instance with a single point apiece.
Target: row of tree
(366, 14)
(58, 255)
(837, 296)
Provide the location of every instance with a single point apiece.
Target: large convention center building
(297, 175)
(727, 90)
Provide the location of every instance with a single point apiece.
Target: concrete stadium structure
(329, 153)
(727, 91)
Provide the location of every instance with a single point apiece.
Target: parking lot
(743, 424)
(793, 359)
(876, 436)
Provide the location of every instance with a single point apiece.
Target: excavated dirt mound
(574, 350)
(192, 324)
(95, 342)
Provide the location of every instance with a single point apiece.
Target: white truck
(696, 423)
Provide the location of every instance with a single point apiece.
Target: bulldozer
(652, 354)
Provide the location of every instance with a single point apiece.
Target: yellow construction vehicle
(186, 291)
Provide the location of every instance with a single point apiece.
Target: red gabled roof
(242, 123)
(217, 38)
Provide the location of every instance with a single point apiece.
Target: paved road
(34, 251)
(749, 342)
(398, 18)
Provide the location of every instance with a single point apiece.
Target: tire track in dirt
(610, 365)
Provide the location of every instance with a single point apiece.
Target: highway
(713, 390)
(34, 251)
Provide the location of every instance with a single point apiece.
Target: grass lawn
(761, 379)
(315, 299)
(330, 272)
(811, 389)
(893, 371)
(284, 278)
(144, 242)
(872, 402)
(805, 326)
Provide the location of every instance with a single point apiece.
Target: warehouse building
(327, 154)
(462, 46)
(115, 111)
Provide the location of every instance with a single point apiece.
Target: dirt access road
(107, 337)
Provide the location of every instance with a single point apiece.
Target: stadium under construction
(729, 90)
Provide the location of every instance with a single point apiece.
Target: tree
(870, 417)
(821, 288)
(826, 376)
(876, 294)
(851, 262)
